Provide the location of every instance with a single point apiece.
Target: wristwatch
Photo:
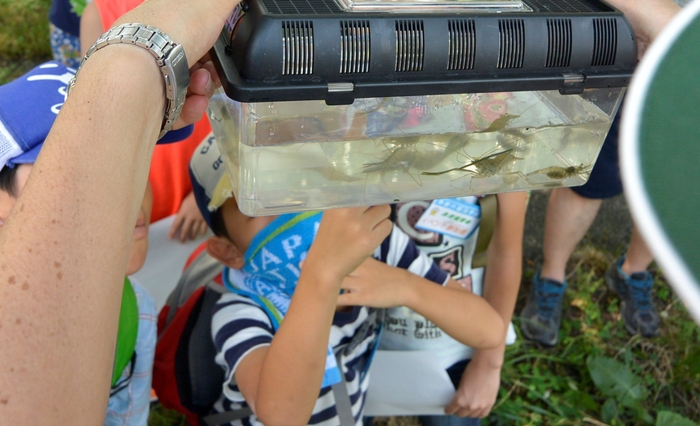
(169, 56)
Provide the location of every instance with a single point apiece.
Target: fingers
(201, 80)
(203, 227)
(192, 111)
(452, 407)
(175, 227)
(377, 214)
(467, 409)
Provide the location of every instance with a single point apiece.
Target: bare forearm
(292, 373)
(504, 266)
(63, 297)
(461, 314)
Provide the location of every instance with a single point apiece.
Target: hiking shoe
(637, 308)
(541, 317)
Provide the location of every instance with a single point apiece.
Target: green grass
(24, 36)
(24, 29)
(554, 385)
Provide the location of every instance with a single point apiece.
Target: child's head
(28, 108)
(233, 230)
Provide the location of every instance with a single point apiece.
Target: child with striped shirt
(311, 367)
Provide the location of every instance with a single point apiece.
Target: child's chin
(137, 256)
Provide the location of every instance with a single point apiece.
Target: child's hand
(477, 390)
(375, 284)
(346, 238)
(188, 223)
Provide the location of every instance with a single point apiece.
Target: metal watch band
(169, 56)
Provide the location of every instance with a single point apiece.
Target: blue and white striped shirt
(240, 325)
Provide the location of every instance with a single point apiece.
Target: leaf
(669, 418)
(581, 400)
(609, 411)
(614, 379)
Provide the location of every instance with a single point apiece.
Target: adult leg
(628, 277)
(567, 220)
(638, 256)
(570, 212)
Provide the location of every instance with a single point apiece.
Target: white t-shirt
(405, 329)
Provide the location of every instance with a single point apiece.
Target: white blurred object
(407, 383)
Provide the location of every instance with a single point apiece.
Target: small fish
(500, 123)
(484, 166)
(558, 172)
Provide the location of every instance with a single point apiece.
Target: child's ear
(225, 252)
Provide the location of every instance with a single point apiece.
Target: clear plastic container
(306, 155)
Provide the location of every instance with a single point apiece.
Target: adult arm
(647, 17)
(63, 250)
(481, 380)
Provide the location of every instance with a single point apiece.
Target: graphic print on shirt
(407, 215)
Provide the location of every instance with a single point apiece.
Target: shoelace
(640, 290)
(548, 299)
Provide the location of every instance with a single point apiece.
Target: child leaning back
(337, 265)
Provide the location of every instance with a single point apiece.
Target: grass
(24, 36)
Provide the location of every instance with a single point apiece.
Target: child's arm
(282, 381)
(90, 27)
(481, 380)
(463, 315)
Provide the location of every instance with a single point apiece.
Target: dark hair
(218, 226)
(8, 178)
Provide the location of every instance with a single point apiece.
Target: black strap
(226, 417)
(122, 384)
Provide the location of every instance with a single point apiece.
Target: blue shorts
(605, 177)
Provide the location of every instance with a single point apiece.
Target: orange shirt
(111, 10)
(169, 176)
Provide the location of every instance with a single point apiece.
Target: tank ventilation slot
(511, 33)
(569, 6)
(410, 46)
(297, 47)
(301, 7)
(559, 47)
(604, 41)
(354, 46)
(462, 47)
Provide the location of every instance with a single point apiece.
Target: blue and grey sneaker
(541, 317)
(637, 308)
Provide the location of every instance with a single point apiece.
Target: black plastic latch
(573, 84)
(340, 94)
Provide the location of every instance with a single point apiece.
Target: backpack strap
(227, 417)
(343, 405)
(489, 208)
(128, 331)
(202, 269)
